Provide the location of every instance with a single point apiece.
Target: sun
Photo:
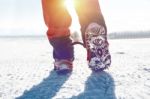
(75, 26)
(71, 9)
(70, 6)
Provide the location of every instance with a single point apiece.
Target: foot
(63, 66)
(97, 47)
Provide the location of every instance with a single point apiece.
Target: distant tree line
(129, 35)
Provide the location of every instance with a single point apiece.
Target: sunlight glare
(75, 23)
(70, 6)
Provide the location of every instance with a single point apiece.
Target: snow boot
(63, 66)
(96, 43)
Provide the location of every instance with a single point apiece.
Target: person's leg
(91, 20)
(58, 21)
(89, 11)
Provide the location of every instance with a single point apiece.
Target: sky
(24, 17)
(126, 15)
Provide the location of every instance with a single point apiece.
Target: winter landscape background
(27, 71)
(25, 17)
(26, 63)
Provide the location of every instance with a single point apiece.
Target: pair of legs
(58, 21)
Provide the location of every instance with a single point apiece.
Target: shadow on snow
(99, 85)
(47, 88)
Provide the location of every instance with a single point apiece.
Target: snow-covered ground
(26, 72)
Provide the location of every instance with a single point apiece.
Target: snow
(26, 71)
